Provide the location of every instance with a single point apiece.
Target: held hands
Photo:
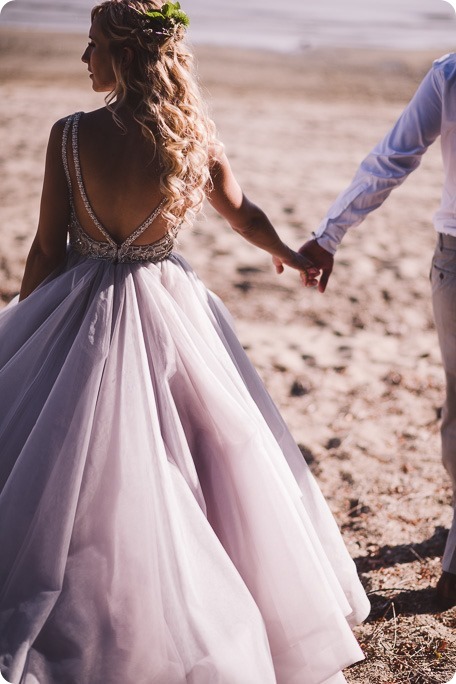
(319, 262)
(321, 259)
(307, 269)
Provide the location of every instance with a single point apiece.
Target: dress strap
(66, 130)
(140, 230)
(77, 167)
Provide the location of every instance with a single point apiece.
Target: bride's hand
(307, 271)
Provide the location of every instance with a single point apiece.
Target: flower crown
(164, 21)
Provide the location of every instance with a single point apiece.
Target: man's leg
(448, 433)
(443, 280)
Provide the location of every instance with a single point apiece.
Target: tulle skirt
(158, 525)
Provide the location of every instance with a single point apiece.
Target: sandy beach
(356, 372)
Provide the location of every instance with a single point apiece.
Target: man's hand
(321, 259)
(307, 271)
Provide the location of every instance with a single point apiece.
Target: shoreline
(408, 26)
(319, 73)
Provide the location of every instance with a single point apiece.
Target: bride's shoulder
(59, 126)
(92, 116)
(57, 132)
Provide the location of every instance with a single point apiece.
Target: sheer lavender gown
(158, 525)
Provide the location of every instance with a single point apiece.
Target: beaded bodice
(107, 249)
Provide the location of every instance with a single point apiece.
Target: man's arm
(384, 169)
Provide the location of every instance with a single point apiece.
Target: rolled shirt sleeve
(389, 163)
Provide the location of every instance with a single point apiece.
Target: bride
(158, 525)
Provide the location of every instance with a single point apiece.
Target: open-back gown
(158, 525)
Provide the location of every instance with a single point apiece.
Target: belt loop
(441, 242)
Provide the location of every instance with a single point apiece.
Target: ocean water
(286, 26)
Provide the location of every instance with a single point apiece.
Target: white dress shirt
(431, 112)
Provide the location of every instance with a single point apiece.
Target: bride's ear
(127, 56)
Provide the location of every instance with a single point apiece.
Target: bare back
(121, 177)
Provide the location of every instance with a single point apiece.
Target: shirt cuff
(327, 242)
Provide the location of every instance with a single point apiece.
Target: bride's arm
(48, 249)
(246, 218)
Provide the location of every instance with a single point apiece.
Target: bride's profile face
(98, 58)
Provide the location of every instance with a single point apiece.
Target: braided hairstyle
(159, 85)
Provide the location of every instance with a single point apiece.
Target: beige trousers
(443, 281)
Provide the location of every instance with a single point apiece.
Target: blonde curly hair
(158, 83)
